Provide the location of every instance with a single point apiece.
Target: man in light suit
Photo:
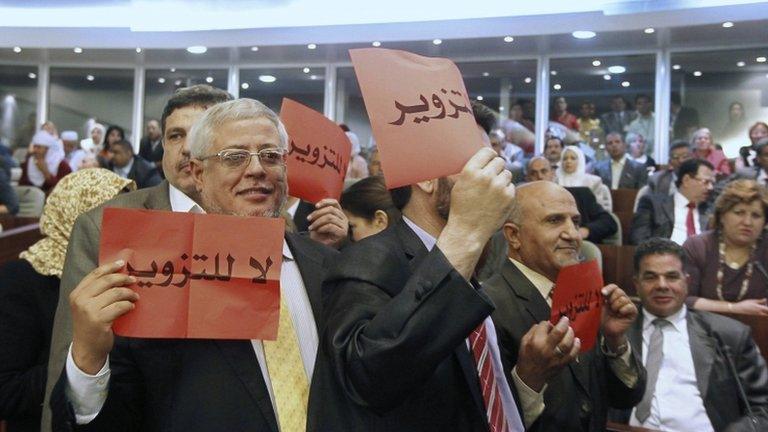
(680, 215)
(558, 389)
(690, 385)
(620, 172)
(237, 163)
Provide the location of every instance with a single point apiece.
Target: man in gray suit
(663, 181)
(680, 215)
(618, 118)
(620, 172)
(687, 354)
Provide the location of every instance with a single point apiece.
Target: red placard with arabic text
(200, 276)
(420, 114)
(578, 296)
(318, 153)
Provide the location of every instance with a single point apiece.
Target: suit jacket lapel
(702, 350)
(242, 358)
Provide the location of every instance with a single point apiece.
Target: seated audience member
(747, 154)
(123, 163)
(704, 148)
(690, 386)
(369, 207)
(618, 118)
(727, 266)
(683, 120)
(556, 391)
(151, 146)
(553, 149)
(512, 154)
(95, 143)
(663, 182)
(680, 215)
(759, 169)
(9, 202)
(619, 171)
(74, 154)
(596, 223)
(29, 292)
(561, 115)
(645, 123)
(571, 172)
(637, 152)
(519, 130)
(736, 124)
(114, 134)
(46, 164)
(374, 164)
(589, 125)
(358, 167)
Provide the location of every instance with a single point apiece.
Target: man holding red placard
(238, 167)
(558, 388)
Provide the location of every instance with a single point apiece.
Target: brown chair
(623, 199)
(618, 266)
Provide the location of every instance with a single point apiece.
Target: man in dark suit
(687, 354)
(620, 172)
(663, 181)
(558, 389)
(125, 164)
(618, 118)
(680, 215)
(400, 308)
(151, 146)
(147, 384)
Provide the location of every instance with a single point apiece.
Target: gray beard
(210, 205)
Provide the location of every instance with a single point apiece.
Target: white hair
(204, 131)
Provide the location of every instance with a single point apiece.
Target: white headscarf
(88, 144)
(53, 157)
(578, 177)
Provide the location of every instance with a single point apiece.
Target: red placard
(578, 296)
(318, 153)
(420, 114)
(199, 276)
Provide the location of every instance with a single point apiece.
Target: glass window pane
(271, 85)
(18, 105)
(78, 95)
(593, 96)
(725, 91)
(350, 108)
(161, 83)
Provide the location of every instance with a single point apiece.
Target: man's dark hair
(678, 143)
(400, 196)
(200, 95)
(484, 116)
(368, 195)
(125, 144)
(690, 168)
(657, 246)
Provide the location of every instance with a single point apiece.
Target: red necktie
(690, 226)
(491, 395)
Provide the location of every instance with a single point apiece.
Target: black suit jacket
(192, 385)
(577, 398)
(716, 384)
(147, 152)
(655, 217)
(661, 182)
(393, 355)
(593, 215)
(633, 176)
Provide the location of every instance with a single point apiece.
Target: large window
(161, 83)
(270, 85)
(350, 108)
(18, 105)
(593, 96)
(725, 91)
(80, 95)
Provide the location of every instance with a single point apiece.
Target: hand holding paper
(544, 350)
(618, 315)
(578, 296)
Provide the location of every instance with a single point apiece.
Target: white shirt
(679, 231)
(677, 404)
(87, 393)
(507, 400)
(616, 168)
(762, 177)
(124, 171)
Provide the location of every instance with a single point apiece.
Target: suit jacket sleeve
(387, 330)
(619, 396)
(696, 259)
(601, 224)
(642, 221)
(752, 370)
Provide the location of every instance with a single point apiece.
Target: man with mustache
(558, 389)
(111, 383)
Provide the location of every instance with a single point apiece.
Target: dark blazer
(192, 384)
(593, 215)
(655, 217)
(716, 384)
(393, 355)
(147, 152)
(661, 182)
(577, 398)
(143, 173)
(617, 122)
(300, 217)
(633, 176)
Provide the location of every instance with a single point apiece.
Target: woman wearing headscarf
(29, 293)
(572, 172)
(357, 168)
(95, 143)
(46, 164)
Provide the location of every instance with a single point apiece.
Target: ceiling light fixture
(606, 77)
(77, 50)
(313, 77)
(90, 77)
(173, 69)
(617, 69)
(528, 80)
(649, 30)
(741, 64)
(760, 59)
(161, 80)
(245, 86)
(625, 83)
(267, 78)
(557, 86)
(485, 74)
(553, 72)
(32, 75)
(508, 39)
(17, 49)
(254, 48)
(727, 24)
(311, 46)
(479, 98)
(305, 70)
(376, 43)
(138, 50)
(676, 67)
(697, 73)
(437, 41)
(596, 63)
(197, 49)
(209, 79)
(584, 34)
(177, 82)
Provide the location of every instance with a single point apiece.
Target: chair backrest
(31, 201)
(645, 190)
(590, 251)
(617, 237)
(623, 199)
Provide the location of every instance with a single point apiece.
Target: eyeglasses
(239, 158)
(705, 181)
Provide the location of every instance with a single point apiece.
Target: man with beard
(405, 318)
(558, 388)
(238, 167)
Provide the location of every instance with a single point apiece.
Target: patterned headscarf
(74, 195)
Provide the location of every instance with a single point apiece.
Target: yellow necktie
(286, 372)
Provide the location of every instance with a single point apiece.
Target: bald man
(555, 391)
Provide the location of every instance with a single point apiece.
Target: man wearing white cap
(74, 154)
(46, 164)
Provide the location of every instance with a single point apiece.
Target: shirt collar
(287, 254)
(620, 161)
(180, 202)
(124, 171)
(542, 284)
(677, 319)
(680, 199)
(425, 237)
